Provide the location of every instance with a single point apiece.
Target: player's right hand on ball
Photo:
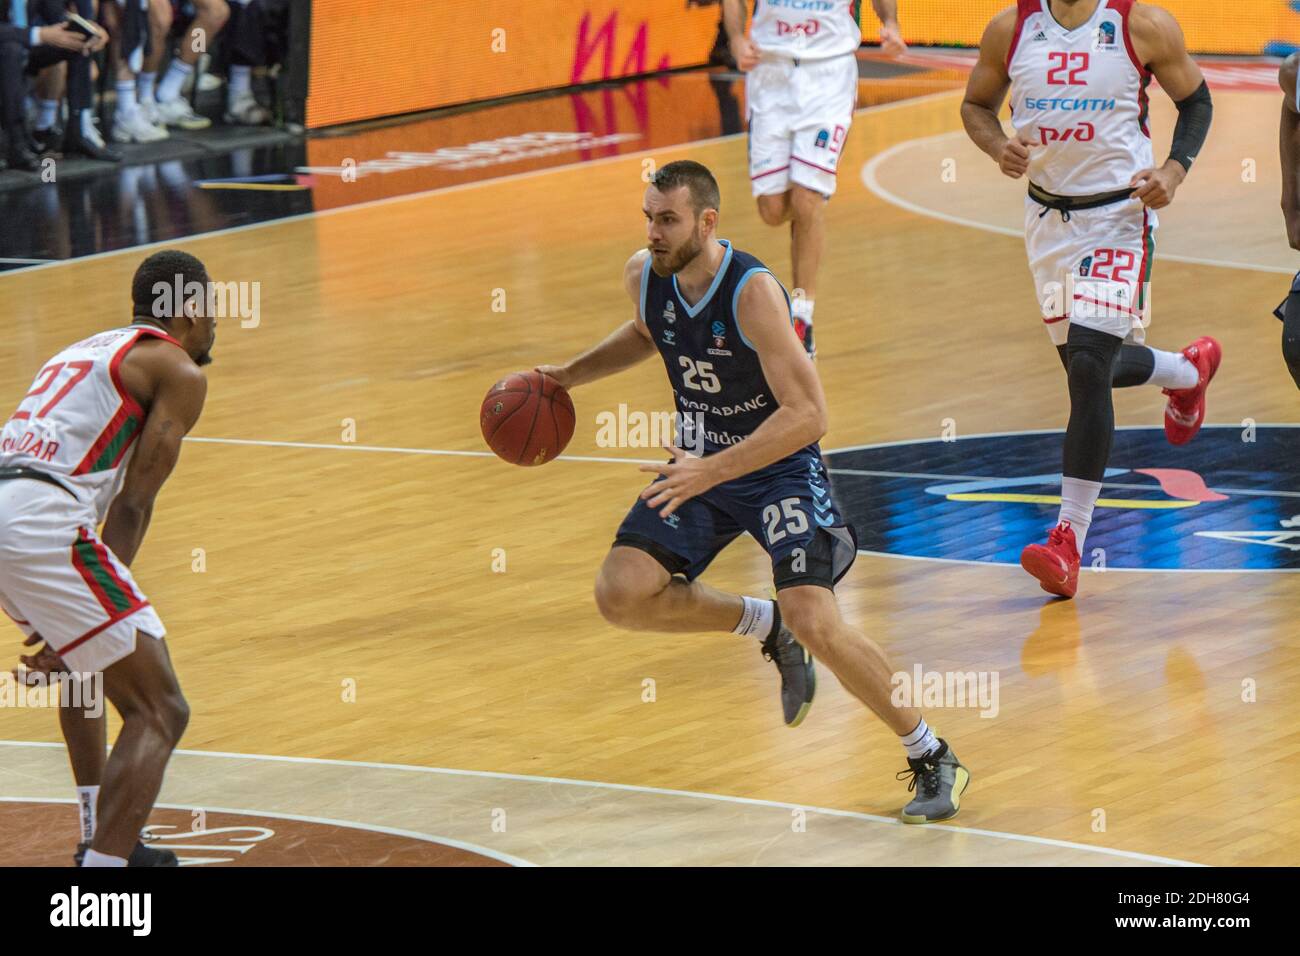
(557, 372)
(1014, 161)
(744, 52)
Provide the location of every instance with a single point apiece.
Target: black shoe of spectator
(74, 144)
(20, 157)
(47, 140)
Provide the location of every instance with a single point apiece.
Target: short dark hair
(696, 178)
(164, 267)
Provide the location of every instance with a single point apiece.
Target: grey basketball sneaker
(798, 675)
(939, 780)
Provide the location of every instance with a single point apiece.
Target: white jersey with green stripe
(78, 423)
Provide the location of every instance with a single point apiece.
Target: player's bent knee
(810, 612)
(806, 203)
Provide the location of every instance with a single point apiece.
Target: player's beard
(678, 259)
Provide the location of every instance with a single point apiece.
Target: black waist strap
(1075, 203)
(9, 473)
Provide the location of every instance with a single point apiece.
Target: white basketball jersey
(78, 423)
(1081, 95)
(807, 29)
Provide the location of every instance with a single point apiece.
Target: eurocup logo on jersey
(1105, 39)
(220, 300)
(719, 339)
(670, 312)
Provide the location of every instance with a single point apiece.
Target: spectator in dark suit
(37, 36)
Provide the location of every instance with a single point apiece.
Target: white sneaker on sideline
(137, 129)
(179, 113)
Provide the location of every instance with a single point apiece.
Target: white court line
(872, 182)
(659, 791)
(457, 187)
(161, 841)
(409, 451)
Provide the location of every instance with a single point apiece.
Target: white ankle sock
(802, 308)
(47, 113)
(920, 741)
(125, 99)
(1078, 498)
(87, 798)
(1173, 370)
(144, 86)
(239, 82)
(170, 87)
(94, 858)
(757, 618)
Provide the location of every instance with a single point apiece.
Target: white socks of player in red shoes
(1056, 564)
(1078, 499)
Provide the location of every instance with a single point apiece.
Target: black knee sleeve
(1088, 437)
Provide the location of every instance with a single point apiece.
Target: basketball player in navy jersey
(750, 400)
(1289, 311)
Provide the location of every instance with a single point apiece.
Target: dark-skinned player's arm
(891, 37)
(764, 318)
(1290, 144)
(1158, 42)
(986, 89)
(627, 345)
(178, 394)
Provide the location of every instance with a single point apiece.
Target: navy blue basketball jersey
(718, 383)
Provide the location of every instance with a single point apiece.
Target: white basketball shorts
(1094, 268)
(799, 117)
(57, 579)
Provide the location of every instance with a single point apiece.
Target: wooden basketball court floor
(345, 520)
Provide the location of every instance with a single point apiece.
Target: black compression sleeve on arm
(1194, 115)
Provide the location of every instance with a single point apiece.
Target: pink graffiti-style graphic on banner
(604, 40)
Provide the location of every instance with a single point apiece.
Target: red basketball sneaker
(1185, 410)
(1056, 564)
(804, 330)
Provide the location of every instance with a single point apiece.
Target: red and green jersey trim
(113, 592)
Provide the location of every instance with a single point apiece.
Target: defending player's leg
(143, 688)
(1088, 437)
(807, 240)
(937, 776)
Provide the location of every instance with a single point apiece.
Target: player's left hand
(44, 661)
(685, 477)
(1156, 187)
(891, 40)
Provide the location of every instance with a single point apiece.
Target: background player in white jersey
(1078, 71)
(801, 91)
(93, 440)
(1289, 311)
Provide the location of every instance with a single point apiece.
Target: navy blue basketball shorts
(786, 507)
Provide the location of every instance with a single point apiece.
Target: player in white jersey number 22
(1078, 72)
(800, 94)
(92, 441)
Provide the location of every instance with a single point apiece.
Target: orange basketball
(527, 418)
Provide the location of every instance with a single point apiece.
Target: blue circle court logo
(1227, 501)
